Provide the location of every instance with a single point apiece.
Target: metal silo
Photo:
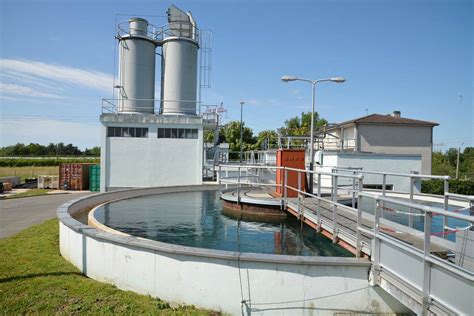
(179, 69)
(136, 67)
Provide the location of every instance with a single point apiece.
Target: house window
(189, 133)
(139, 132)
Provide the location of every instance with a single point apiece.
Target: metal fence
(386, 248)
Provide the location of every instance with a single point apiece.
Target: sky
(57, 62)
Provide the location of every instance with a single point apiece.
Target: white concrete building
(140, 151)
(384, 134)
(143, 145)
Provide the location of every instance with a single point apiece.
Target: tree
(231, 132)
(34, 149)
(93, 152)
(209, 136)
(267, 139)
(301, 125)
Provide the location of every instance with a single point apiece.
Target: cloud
(7, 90)
(27, 78)
(44, 131)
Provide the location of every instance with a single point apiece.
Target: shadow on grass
(38, 275)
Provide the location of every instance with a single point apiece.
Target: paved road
(21, 213)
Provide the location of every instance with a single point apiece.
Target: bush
(436, 186)
(43, 162)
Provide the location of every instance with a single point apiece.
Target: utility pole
(241, 131)
(457, 164)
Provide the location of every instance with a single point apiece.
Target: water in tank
(136, 68)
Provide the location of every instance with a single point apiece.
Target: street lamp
(311, 149)
(241, 131)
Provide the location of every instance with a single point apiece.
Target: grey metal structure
(136, 87)
(179, 67)
(180, 42)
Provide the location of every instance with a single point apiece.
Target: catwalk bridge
(421, 246)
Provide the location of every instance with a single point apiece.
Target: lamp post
(311, 149)
(241, 131)
(457, 162)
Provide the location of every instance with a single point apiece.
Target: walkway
(20, 213)
(345, 230)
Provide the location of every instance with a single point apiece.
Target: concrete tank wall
(231, 282)
(137, 72)
(179, 86)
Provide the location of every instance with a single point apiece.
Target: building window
(189, 133)
(127, 132)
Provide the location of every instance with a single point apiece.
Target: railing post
(359, 224)
(318, 205)
(285, 188)
(384, 190)
(384, 184)
(412, 188)
(299, 194)
(360, 187)
(426, 263)
(238, 186)
(334, 209)
(446, 206)
(376, 245)
(353, 189)
(219, 178)
(227, 178)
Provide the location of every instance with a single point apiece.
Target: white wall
(217, 280)
(128, 162)
(373, 162)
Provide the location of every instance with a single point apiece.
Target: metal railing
(412, 178)
(321, 142)
(429, 260)
(233, 177)
(375, 234)
(159, 33)
(124, 105)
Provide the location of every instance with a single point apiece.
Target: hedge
(44, 162)
(436, 186)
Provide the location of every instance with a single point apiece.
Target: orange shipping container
(74, 176)
(292, 158)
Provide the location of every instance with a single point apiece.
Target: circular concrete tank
(179, 85)
(137, 69)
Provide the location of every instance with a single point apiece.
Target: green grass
(35, 279)
(31, 192)
(29, 172)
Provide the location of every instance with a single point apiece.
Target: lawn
(35, 279)
(32, 192)
(29, 172)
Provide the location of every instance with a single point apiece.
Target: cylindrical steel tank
(136, 68)
(179, 86)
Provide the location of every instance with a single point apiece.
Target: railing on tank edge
(253, 157)
(357, 185)
(412, 178)
(227, 180)
(114, 106)
(425, 254)
(160, 33)
(320, 143)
